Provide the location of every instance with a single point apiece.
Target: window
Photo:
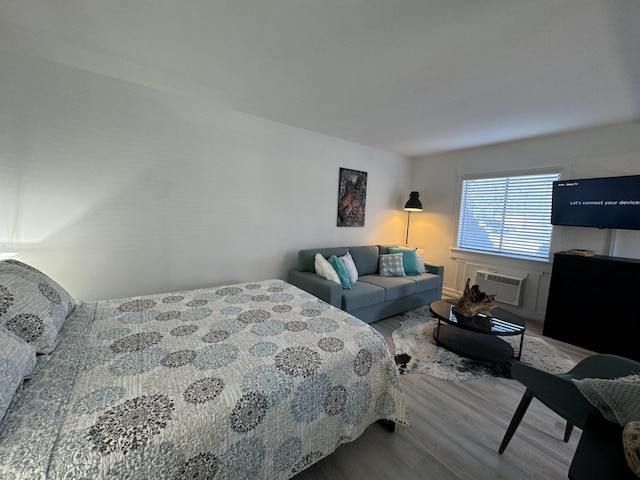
(507, 215)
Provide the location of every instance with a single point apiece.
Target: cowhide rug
(416, 352)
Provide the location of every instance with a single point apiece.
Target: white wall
(115, 189)
(608, 151)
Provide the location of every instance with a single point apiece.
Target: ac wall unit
(508, 289)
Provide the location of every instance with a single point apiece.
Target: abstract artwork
(352, 196)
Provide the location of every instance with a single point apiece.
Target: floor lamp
(413, 205)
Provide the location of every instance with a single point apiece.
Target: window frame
(559, 171)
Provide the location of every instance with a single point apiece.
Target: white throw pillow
(350, 265)
(420, 257)
(325, 269)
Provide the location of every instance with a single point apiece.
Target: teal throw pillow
(409, 259)
(341, 270)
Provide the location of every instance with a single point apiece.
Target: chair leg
(515, 421)
(567, 432)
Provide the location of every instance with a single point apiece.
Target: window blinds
(507, 215)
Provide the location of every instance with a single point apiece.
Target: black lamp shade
(414, 204)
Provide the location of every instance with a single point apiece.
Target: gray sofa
(372, 297)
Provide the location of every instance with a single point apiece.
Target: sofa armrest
(324, 289)
(437, 269)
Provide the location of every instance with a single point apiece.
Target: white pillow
(420, 257)
(325, 269)
(347, 259)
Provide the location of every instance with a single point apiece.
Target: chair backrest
(604, 365)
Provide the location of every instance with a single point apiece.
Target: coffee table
(477, 337)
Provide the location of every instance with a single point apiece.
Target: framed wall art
(352, 197)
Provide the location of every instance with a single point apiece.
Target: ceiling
(413, 77)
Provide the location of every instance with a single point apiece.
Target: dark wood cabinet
(594, 303)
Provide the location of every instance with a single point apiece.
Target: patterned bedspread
(256, 380)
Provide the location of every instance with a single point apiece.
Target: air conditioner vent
(508, 288)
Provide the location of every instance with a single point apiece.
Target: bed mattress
(254, 380)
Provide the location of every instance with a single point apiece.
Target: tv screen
(611, 202)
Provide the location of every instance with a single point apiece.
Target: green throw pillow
(341, 270)
(409, 260)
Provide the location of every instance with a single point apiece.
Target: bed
(254, 380)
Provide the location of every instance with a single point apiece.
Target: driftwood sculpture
(473, 301)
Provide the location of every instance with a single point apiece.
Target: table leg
(520, 349)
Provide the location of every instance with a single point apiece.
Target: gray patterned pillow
(17, 360)
(32, 305)
(390, 265)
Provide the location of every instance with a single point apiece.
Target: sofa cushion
(365, 258)
(362, 294)
(306, 258)
(425, 282)
(394, 287)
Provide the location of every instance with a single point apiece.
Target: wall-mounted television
(609, 202)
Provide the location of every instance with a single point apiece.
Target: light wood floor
(455, 432)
